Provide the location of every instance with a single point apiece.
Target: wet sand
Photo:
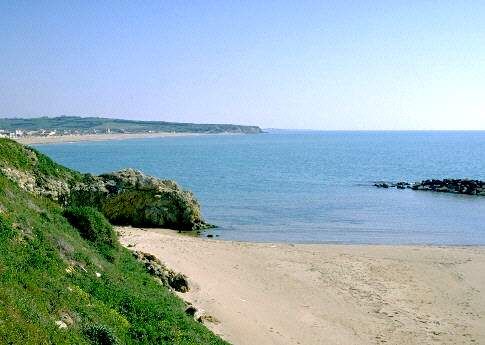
(327, 294)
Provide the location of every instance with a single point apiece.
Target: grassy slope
(28, 159)
(47, 269)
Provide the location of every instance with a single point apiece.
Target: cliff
(126, 197)
(64, 279)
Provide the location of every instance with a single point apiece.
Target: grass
(50, 272)
(27, 159)
(94, 227)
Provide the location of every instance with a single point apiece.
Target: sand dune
(328, 294)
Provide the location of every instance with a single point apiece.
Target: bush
(94, 227)
(100, 335)
(6, 230)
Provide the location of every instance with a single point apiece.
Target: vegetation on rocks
(166, 276)
(125, 197)
(35, 172)
(58, 287)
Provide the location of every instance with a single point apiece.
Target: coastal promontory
(126, 197)
(65, 278)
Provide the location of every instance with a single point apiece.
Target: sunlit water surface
(311, 187)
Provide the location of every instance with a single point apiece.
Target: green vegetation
(100, 335)
(24, 158)
(99, 124)
(94, 227)
(53, 272)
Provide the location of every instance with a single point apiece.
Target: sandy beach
(327, 294)
(29, 140)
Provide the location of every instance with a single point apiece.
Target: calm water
(311, 187)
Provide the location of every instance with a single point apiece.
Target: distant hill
(82, 125)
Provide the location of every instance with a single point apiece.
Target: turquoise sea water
(311, 187)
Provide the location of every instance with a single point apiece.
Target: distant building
(19, 132)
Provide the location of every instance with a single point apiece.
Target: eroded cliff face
(130, 197)
(126, 197)
(54, 188)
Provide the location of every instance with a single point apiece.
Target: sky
(330, 65)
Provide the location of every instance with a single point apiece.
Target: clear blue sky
(299, 64)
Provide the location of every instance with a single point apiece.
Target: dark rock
(457, 186)
(191, 310)
(199, 315)
(402, 185)
(167, 277)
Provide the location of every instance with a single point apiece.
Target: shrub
(100, 335)
(94, 227)
(6, 230)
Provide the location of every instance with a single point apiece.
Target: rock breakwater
(456, 186)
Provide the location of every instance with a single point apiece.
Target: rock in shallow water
(457, 186)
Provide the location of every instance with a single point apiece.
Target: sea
(310, 187)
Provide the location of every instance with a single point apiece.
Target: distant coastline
(30, 140)
(46, 130)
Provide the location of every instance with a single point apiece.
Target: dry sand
(29, 140)
(328, 294)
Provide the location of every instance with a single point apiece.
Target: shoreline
(71, 138)
(277, 293)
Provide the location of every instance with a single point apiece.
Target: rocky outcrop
(129, 197)
(166, 276)
(398, 185)
(54, 188)
(126, 197)
(457, 186)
